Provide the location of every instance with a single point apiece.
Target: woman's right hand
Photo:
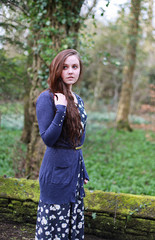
(60, 99)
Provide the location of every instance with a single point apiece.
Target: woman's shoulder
(46, 95)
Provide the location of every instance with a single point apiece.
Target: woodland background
(118, 86)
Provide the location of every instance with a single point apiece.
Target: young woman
(62, 119)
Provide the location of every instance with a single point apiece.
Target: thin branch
(11, 41)
(16, 4)
(13, 21)
(7, 25)
(90, 9)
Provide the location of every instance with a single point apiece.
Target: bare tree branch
(90, 9)
(11, 21)
(13, 4)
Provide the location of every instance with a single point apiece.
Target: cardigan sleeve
(85, 171)
(50, 118)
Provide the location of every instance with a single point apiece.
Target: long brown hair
(72, 124)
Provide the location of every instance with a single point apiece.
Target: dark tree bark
(128, 71)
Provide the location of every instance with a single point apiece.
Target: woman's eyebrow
(65, 64)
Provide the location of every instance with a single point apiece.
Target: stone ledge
(108, 215)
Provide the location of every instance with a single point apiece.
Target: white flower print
(52, 217)
(57, 238)
(40, 231)
(44, 221)
(64, 225)
(39, 219)
(68, 214)
(67, 230)
(61, 217)
(80, 225)
(80, 106)
(47, 233)
(57, 207)
(47, 211)
(52, 208)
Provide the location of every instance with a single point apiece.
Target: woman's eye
(75, 66)
(64, 67)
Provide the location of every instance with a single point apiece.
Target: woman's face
(71, 70)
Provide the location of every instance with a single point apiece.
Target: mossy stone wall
(108, 215)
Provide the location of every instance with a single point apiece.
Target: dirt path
(14, 231)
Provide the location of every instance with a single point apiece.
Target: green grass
(10, 151)
(119, 161)
(116, 161)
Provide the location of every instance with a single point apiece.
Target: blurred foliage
(7, 139)
(10, 161)
(102, 46)
(12, 108)
(12, 115)
(13, 76)
(44, 29)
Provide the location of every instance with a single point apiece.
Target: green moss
(111, 215)
(124, 204)
(20, 189)
(3, 202)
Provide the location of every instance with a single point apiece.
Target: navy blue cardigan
(60, 166)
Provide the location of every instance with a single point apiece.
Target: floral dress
(64, 221)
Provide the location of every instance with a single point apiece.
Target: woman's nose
(70, 70)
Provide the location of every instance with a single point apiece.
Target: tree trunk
(99, 85)
(149, 28)
(128, 71)
(27, 128)
(36, 147)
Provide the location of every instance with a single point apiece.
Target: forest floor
(16, 231)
